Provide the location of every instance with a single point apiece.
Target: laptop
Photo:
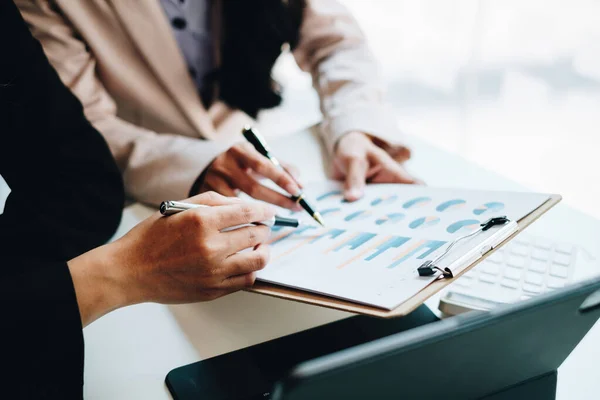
(471, 356)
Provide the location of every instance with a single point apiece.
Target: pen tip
(319, 219)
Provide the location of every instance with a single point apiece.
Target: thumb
(356, 174)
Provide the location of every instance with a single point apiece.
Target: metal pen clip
(429, 268)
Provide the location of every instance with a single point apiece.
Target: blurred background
(512, 85)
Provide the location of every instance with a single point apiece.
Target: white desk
(130, 351)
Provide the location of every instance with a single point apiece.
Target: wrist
(100, 286)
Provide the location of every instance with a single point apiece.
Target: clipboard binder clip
(429, 268)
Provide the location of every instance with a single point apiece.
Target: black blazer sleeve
(67, 197)
(67, 193)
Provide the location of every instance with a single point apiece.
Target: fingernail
(297, 207)
(355, 194)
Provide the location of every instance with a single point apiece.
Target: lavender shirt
(190, 21)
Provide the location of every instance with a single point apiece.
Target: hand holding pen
(171, 207)
(236, 170)
(261, 146)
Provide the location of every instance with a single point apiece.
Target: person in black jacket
(66, 199)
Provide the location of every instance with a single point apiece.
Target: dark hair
(253, 34)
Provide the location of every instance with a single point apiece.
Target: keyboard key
(519, 250)
(488, 278)
(538, 254)
(559, 271)
(556, 283)
(490, 268)
(543, 244)
(471, 274)
(523, 240)
(516, 261)
(538, 266)
(561, 259)
(513, 273)
(531, 289)
(509, 283)
(463, 284)
(496, 258)
(534, 278)
(564, 248)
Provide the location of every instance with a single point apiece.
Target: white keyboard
(524, 267)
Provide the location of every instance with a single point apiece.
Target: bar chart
(371, 248)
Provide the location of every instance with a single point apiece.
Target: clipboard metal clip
(429, 268)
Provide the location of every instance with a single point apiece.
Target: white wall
(476, 75)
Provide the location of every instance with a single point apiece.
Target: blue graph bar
(329, 211)
(431, 246)
(357, 241)
(419, 201)
(329, 194)
(294, 232)
(357, 214)
(393, 242)
(332, 233)
(384, 200)
(393, 218)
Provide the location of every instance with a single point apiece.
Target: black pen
(261, 146)
(173, 207)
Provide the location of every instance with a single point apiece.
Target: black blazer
(67, 196)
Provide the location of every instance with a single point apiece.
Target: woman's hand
(358, 160)
(237, 168)
(182, 258)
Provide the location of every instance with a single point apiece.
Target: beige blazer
(122, 61)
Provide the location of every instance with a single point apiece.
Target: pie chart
(486, 208)
(391, 218)
(418, 202)
(464, 226)
(451, 205)
(424, 222)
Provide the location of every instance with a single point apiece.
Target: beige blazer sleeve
(155, 167)
(345, 74)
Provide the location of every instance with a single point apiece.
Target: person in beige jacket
(170, 84)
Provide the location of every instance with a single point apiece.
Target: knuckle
(247, 213)
(281, 179)
(249, 279)
(352, 158)
(213, 295)
(263, 165)
(196, 219)
(265, 233)
(252, 236)
(221, 169)
(208, 251)
(251, 189)
(239, 149)
(284, 203)
(210, 196)
(261, 234)
(262, 259)
(203, 248)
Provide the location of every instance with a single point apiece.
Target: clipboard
(412, 303)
